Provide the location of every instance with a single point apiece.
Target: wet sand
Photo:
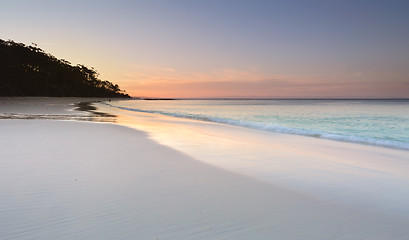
(87, 180)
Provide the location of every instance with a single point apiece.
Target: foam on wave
(280, 129)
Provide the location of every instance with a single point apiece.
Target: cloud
(277, 88)
(150, 81)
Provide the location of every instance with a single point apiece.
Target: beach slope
(83, 180)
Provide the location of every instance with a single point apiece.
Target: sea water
(382, 123)
(357, 154)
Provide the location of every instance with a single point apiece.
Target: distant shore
(86, 180)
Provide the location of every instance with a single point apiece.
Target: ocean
(382, 123)
(178, 178)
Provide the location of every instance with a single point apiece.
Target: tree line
(29, 71)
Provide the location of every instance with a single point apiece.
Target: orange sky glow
(222, 49)
(169, 83)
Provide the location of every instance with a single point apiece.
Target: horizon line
(273, 98)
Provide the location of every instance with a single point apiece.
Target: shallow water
(374, 122)
(54, 187)
(372, 177)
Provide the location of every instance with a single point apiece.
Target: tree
(29, 71)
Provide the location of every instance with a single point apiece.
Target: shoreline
(385, 141)
(341, 172)
(29, 108)
(86, 180)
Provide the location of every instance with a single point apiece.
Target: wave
(279, 129)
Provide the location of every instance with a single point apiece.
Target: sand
(368, 177)
(85, 180)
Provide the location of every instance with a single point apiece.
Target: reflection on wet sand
(93, 115)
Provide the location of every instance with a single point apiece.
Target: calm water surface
(374, 122)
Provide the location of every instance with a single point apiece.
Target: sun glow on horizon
(205, 49)
(168, 82)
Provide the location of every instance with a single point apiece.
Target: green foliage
(29, 71)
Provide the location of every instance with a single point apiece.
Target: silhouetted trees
(29, 71)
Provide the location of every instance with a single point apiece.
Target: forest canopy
(29, 71)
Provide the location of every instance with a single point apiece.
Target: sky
(226, 48)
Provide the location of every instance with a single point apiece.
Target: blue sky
(226, 48)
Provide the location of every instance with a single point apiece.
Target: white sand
(369, 177)
(78, 180)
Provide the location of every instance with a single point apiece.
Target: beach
(143, 176)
